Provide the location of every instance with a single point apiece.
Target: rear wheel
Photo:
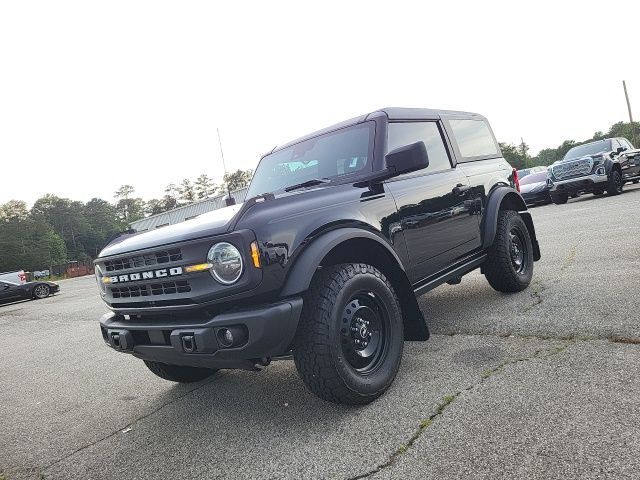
(349, 342)
(41, 291)
(179, 373)
(614, 186)
(509, 264)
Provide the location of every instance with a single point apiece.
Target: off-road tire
(41, 291)
(615, 183)
(499, 267)
(179, 373)
(323, 330)
(559, 199)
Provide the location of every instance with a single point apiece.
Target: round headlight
(226, 263)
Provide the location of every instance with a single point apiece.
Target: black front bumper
(264, 332)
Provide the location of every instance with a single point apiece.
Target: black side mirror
(619, 150)
(407, 159)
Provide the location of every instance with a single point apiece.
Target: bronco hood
(207, 224)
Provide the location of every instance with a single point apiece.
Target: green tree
(128, 209)
(204, 187)
(236, 180)
(13, 209)
(513, 155)
(187, 192)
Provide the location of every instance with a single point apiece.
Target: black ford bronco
(340, 232)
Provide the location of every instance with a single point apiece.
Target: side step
(452, 275)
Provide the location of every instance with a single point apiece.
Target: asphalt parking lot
(541, 384)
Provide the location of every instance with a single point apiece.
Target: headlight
(99, 275)
(226, 263)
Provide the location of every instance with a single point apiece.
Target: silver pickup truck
(595, 167)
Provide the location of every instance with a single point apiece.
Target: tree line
(56, 230)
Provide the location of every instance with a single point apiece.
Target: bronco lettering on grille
(133, 277)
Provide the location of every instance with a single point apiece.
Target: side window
(405, 133)
(615, 144)
(625, 143)
(474, 138)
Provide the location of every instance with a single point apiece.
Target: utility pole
(524, 151)
(626, 95)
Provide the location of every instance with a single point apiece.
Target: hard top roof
(392, 113)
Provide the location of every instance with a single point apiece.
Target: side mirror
(407, 159)
(619, 150)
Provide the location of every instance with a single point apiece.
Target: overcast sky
(94, 95)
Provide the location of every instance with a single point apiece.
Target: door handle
(461, 189)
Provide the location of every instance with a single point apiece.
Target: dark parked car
(535, 189)
(595, 167)
(341, 231)
(31, 290)
(528, 171)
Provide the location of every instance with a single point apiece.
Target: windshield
(534, 178)
(329, 156)
(589, 149)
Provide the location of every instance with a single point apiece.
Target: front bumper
(264, 331)
(587, 183)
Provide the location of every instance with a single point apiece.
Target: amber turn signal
(255, 254)
(200, 267)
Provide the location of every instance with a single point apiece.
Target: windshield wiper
(308, 183)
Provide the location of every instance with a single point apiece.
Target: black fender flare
(509, 197)
(305, 265)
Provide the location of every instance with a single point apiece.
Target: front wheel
(349, 341)
(41, 291)
(614, 186)
(509, 263)
(179, 373)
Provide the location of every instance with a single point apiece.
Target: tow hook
(120, 339)
(188, 343)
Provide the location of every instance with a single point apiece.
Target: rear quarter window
(473, 139)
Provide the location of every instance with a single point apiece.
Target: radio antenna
(230, 200)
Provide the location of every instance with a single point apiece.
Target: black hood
(207, 224)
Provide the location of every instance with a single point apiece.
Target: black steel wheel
(615, 184)
(366, 332)
(41, 291)
(350, 337)
(509, 263)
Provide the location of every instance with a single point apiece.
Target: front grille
(164, 288)
(146, 260)
(573, 168)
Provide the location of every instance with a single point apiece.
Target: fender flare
(490, 218)
(304, 267)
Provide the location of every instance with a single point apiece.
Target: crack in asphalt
(449, 399)
(119, 430)
(534, 336)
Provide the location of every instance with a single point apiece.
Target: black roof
(392, 113)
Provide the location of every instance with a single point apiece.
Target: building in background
(185, 212)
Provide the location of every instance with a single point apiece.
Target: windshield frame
(543, 176)
(333, 180)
